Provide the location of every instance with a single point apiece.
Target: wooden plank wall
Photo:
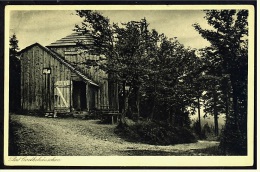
(59, 50)
(37, 89)
(78, 59)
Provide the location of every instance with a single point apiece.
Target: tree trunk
(234, 140)
(215, 113)
(226, 102)
(170, 118)
(138, 103)
(154, 100)
(235, 100)
(199, 116)
(216, 123)
(152, 113)
(122, 121)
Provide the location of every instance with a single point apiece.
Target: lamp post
(127, 88)
(47, 72)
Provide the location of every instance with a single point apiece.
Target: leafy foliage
(228, 60)
(14, 75)
(158, 133)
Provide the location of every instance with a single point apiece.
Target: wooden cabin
(54, 79)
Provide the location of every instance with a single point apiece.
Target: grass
(23, 141)
(14, 149)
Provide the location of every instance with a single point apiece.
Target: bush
(198, 130)
(158, 133)
(233, 142)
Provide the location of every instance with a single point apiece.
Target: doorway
(79, 96)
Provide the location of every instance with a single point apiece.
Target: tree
(133, 44)
(171, 88)
(212, 101)
(229, 40)
(14, 75)
(126, 49)
(149, 63)
(198, 87)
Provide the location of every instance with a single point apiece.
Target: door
(79, 96)
(92, 97)
(62, 92)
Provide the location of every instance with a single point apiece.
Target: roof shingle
(72, 39)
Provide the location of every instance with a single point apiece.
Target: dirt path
(76, 137)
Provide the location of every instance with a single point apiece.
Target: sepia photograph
(129, 85)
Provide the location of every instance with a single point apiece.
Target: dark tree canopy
(228, 59)
(14, 75)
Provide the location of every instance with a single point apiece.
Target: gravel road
(42, 136)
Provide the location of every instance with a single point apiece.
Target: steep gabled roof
(72, 39)
(64, 62)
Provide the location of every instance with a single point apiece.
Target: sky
(47, 26)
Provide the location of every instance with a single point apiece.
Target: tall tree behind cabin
(14, 75)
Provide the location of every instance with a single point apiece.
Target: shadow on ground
(146, 153)
(211, 151)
